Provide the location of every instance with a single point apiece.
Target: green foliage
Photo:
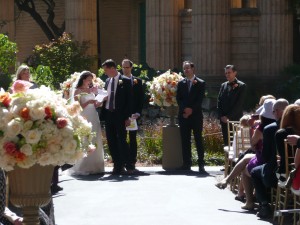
(212, 143)
(42, 75)
(212, 136)
(8, 51)
(150, 144)
(289, 83)
(63, 57)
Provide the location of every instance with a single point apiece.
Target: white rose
(67, 131)
(53, 148)
(14, 127)
(37, 113)
(45, 159)
(55, 139)
(28, 162)
(26, 149)
(69, 145)
(6, 162)
(33, 136)
(7, 116)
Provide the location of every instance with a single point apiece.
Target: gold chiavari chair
(242, 143)
(228, 150)
(296, 194)
(283, 194)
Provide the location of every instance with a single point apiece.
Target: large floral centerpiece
(163, 89)
(68, 84)
(37, 127)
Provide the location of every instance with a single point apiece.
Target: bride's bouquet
(163, 89)
(36, 126)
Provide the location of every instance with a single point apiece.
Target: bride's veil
(73, 89)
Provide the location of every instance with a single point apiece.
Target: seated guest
(264, 176)
(297, 102)
(266, 118)
(290, 124)
(264, 98)
(23, 73)
(256, 143)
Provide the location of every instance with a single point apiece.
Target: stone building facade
(255, 35)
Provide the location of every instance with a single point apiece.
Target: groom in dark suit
(190, 93)
(117, 112)
(230, 100)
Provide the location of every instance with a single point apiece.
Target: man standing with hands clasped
(136, 111)
(117, 110)
(230, 100)
(190, 93)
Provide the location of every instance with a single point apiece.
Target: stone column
(275, 37)
(163, 48)
(81, 21)
(7, 22)
(211, 36)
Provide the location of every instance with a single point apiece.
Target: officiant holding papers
(137, 93)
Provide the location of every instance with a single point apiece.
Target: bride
(94, 162)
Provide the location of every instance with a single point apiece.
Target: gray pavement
(157, 197)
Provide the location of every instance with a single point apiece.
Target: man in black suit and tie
(230, 100)
(190, 93)
(136, 111)
(117, 112)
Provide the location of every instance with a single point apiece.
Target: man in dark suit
(136, 111)
(230, 100)
(190, 93)
(117, 112)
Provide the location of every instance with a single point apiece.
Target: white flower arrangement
(36, 126)
(163, 89)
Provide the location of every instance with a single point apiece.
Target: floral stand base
(172, 153)
(30, 189)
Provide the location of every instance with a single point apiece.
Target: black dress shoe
(202, 170)
(55, 189)
(119, 171)
(265, 211)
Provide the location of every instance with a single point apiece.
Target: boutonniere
(135, 81)
(232, 86)
(120, 82)
(195, 82)
(235, 86)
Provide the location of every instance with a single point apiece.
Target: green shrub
(150, 144)
(289, 83)
(63, 56)
(8, 51)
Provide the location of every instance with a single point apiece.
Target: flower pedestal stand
(172, 153)
(30, 189)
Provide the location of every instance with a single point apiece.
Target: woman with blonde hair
(23, 73)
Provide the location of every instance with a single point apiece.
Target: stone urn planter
(30, 189)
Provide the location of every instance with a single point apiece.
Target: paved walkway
(156, 198)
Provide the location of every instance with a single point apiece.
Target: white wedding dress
(94, 162)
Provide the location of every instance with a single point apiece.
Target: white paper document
(133, 125)
(101, 95)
